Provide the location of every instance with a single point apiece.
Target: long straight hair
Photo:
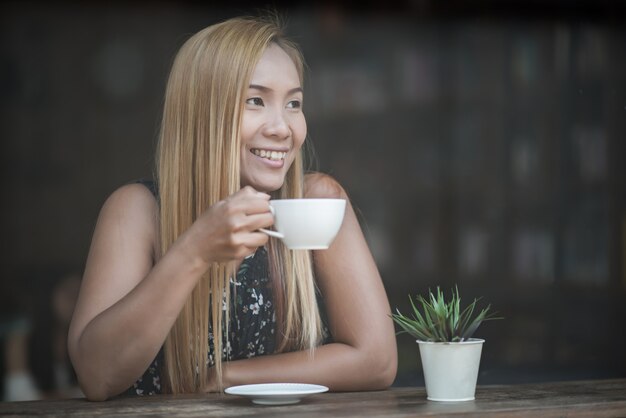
(198, 164)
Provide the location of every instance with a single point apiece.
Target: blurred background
(482, 143)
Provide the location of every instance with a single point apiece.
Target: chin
(269, 188)
(264, 186)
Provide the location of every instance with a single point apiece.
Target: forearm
(338, 366)
(117, 346)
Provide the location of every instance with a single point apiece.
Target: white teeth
(271, 155)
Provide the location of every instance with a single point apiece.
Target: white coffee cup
(307, 224)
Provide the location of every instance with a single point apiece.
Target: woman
(230, 140)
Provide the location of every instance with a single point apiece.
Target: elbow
(89, 380)
(92, 386)
(386, 371)
(94, 394)
(92, 383)
(382, 364)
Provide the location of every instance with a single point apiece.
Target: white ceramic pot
(451, 369)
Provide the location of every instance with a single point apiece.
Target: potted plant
(450, 357)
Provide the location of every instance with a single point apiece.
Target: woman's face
(273, 126)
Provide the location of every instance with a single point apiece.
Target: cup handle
(269, 232)
(272, 233)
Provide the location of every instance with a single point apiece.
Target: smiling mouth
(270, 155)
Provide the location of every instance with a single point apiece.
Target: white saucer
(276, 393)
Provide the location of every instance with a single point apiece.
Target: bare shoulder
(132, 210)
(130, 198)
(320, 185)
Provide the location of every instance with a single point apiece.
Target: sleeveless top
(252, 326)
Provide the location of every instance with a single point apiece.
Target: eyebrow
(266, 89)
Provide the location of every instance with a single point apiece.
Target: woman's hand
(229, 230)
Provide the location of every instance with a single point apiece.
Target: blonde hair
(198, 160)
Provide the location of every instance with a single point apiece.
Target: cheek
(299, 132)
(247, 130)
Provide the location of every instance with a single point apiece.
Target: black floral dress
(252, 326)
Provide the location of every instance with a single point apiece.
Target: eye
(255, 101)
(294, 104)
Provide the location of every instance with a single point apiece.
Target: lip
(267, 162)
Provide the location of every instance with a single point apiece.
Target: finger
(245, 194)
(250, 191)
(261, 220)
(253, 240)
(241, 205)
(252, 206)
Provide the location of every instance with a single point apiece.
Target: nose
(276, 125)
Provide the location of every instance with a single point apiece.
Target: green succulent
(442, 321)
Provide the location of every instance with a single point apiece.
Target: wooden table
(597, 398)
